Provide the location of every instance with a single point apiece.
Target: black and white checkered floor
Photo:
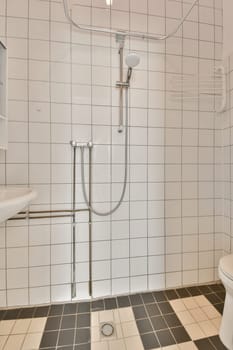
(185, 319)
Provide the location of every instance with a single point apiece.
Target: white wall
(227, 27)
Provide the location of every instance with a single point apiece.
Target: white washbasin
(13, 200)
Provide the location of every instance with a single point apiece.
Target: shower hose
(93, 210)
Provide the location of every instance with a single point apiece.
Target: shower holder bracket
(123, 84)
(76, 144)
(120, 39)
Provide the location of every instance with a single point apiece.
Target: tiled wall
(62, 87)
(227, 161)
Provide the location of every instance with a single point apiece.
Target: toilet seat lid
(226, 265)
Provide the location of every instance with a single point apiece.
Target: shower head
(132, 60)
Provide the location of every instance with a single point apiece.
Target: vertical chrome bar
(90, 221)
(73, 285)
(120, 126)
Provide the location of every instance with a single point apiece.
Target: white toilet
(225, 271)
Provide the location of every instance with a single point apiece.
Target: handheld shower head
(132, 60)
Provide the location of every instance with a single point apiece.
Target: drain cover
(107, 329)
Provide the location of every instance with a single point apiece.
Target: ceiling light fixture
(109, 2)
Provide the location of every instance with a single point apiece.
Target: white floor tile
(37, 325)
(134, 343)
(21, 326)
(6, 327)
(201, 300)
(217, 322)
(185, 317)
(117, 345)
(178, 305)
(32, 341)
(99, 346)
(171, 347)
(3, 339)
(190, 303)
(116, 316)
(95, 334)
(14, 342)
(119, 331)
(95, 319)
(211, 312)
(194, 331)
(208, 328)
(187, 346)
(126, 314)
(198, 315)
(106, 316)
(129, 329)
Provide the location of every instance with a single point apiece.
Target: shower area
(133, 100)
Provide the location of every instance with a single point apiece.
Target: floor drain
(107, 329)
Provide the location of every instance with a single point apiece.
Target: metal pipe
(51, 211)
(126, 33)
(90, 222)
(121, 117)
(26, 217)
(73, 284)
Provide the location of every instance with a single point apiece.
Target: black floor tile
(53, 323)
(183, 293)
(49, 339)
(83, 347)
(42, 311)
(159, 296)
(97, 305)
(66, 337)
(147, 298)
(216, 287)
(12, 314)
(83, 320)
(68, 347)
(27, 312)
(2, 314)
(213, 298)
(110, 303)
(83, 335)
(204, 290)
(165, 308)
(180, 335)
(139, 312)
(152, 310)
(217, 343)
(165, 337)
(204, 344)
(158, 323)
(70, 309)
(194, 291)
(221, 295)
(171, 294)
(172, 320)
(68, 322)
(144, 326)
(135, 299)
(56, 310)
(219, 307)
(150, 341)
(84, 308)
(123, 301)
